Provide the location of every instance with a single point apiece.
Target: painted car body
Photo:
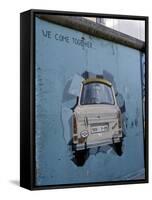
(97, 117)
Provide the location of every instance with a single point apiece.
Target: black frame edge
(27, 118)
(92, 14)
(25, 108)
(146, 142)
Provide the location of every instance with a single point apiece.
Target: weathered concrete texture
(62, 53)
(97, 30)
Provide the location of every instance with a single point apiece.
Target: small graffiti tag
(82, 42)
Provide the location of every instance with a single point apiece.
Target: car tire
(118, 148)
(80, 157)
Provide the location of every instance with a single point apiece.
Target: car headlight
(84, 134)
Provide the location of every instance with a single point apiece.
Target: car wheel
(80, 157)
(118, 148)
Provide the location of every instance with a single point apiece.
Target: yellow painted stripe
(92, 80)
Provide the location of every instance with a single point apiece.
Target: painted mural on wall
(96, 119)
(89, 116)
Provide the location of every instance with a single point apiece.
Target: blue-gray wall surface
(62, 55)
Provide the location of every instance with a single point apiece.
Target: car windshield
(96, 93)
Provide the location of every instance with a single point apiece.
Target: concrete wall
(61, 55)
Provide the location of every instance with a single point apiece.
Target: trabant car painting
(97, 118)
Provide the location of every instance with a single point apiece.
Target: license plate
(100, 129)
